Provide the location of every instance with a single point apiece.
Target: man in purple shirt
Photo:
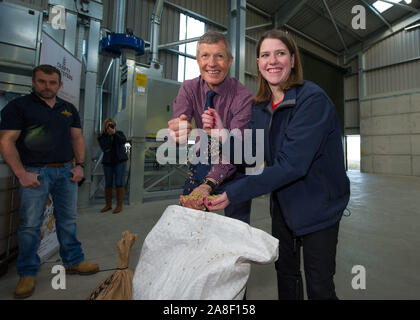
(232, 110)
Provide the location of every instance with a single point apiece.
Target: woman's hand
(212, 120)
(217, 204)
(195, 200)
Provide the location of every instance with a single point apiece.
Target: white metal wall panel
(394, 77)
(402, 46)
(403, 77)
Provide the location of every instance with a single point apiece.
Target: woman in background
(112, 143)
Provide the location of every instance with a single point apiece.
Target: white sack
(196, 255)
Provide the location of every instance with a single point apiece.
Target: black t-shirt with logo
(45, 132)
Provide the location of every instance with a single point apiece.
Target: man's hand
(217, 204)
(195, 200)
(78, 174)
(179, 129)
(29, 180)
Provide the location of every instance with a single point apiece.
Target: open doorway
(353, 152)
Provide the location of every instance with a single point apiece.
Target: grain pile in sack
(196, 255)
(118, 286)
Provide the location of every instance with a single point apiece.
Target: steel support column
(361, 76)
(89, 104)
(236, 35)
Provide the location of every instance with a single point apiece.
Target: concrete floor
(381, 234)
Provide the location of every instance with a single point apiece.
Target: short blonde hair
(212, 37)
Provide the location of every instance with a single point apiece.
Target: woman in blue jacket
(112, 143)
(304, 170)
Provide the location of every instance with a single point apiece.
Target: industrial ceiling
(330, 21)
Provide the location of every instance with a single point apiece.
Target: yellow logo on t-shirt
(67, 113)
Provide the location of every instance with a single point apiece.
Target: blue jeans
(54, 181)
(118, 171)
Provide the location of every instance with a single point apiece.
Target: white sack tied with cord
(196, 255)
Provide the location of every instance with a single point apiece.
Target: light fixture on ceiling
(407, 1)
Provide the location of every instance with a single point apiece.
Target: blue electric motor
(113, 43)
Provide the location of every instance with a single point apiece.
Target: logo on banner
(65, 71)
(57, 17)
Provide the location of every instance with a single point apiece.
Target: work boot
(25, 287)
(120, 199)
(83, 268)
(108, 200)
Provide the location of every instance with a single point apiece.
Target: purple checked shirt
(233, 102)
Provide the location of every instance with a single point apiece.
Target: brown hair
(296, 74)
(106, 122)
(47, 69)
(212, 37)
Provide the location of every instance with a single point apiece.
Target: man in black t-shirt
(40, 137)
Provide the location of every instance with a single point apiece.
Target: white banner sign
(71, 68)
(49, 243)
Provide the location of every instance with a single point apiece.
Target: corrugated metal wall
(351, 99)
(390, 109)
(389, 74)
(215, 10)
(253, 19)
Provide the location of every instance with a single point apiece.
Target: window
(383, 6)
(188, 28)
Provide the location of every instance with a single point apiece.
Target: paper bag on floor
(191, 254)
(118, 286)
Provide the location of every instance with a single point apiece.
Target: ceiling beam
(286, 26)
(260, 26)
(258, 10)
(342, 26)
(335, 25)
(305, 36)
(378, 14)
(286, 12)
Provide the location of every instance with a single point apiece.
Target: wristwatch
(211, 184)
(82, 164)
